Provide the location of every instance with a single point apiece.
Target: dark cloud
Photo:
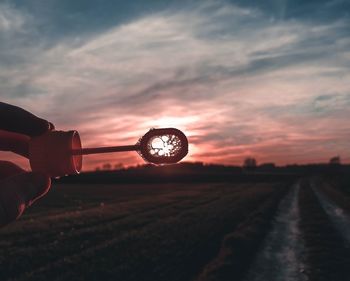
(183, 90)
(309, 10)
(56, 19)
(61, 18)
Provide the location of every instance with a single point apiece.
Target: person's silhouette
(19, 188)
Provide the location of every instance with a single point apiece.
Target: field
(182, 231)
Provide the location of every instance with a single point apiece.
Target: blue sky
(268, 79)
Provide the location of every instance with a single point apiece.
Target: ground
(182, 231)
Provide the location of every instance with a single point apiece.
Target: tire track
(280, 257)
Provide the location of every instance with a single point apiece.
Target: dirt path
(280, 255)
(337, 215)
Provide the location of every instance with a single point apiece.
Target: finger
(16, 119)
(14, 142)
(8, 169)
(19, 192)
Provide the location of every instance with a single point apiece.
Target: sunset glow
(239, 80)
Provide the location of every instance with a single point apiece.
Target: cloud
(10, 19)
(237, 82)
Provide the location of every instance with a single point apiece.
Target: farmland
(181, 231)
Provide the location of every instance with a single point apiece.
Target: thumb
(19, 192)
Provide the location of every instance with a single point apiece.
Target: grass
(140, 232)
(336, 192)
(173, 232)
(326, 252)
(239, 247)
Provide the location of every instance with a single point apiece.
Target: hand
(18, 188)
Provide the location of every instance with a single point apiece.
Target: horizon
(119, 167)
(239, 78)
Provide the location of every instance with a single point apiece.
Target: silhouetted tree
(118, 166)
(249, 163)
(267, 167)
(335, 160)
(107, 167)
(334, 166)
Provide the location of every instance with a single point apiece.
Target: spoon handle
(96, 150)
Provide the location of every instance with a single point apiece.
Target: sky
(267, 79)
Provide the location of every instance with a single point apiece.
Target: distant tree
(118, 166)
(334, 166)
(107, 167)
(267, 167)
(249, 163)
(335, 160)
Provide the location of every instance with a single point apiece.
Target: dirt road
(280, 257)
